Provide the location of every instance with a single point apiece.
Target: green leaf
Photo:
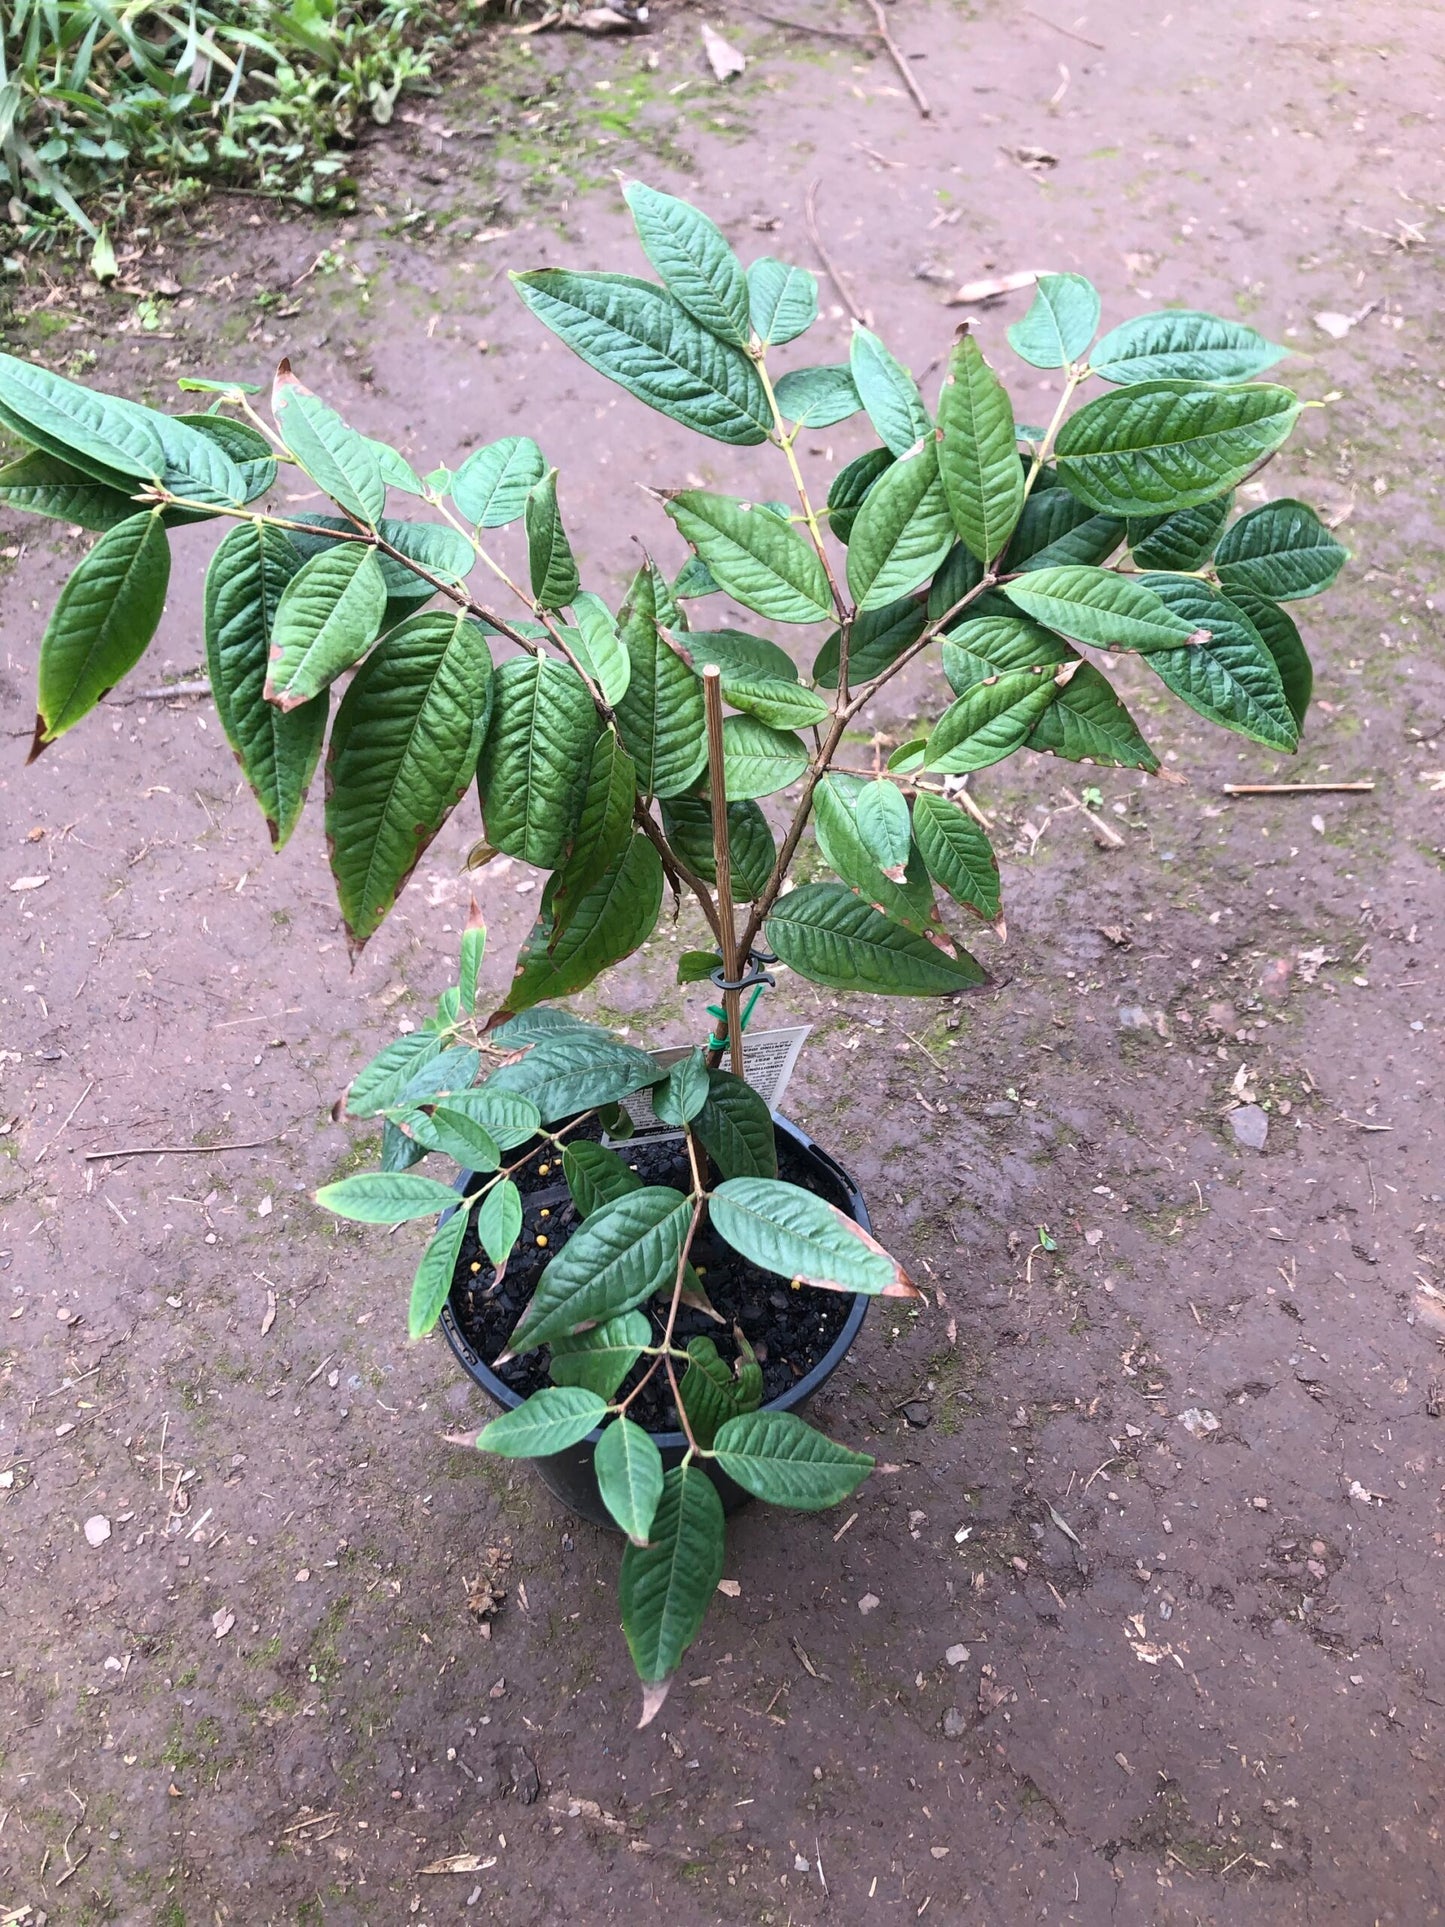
(959, 856)
(660, 715)
(696, 966)
(1282, 551)
(447, 1074)
(645, 340)
(247, 447)
(850, 490)
(509, 1120)
(759, 761)
(683, 1092)
(474, 948)
(754, 555)
(1055, 528)
(1060, 324)
(740, 657)
(395, 470)
(456, 1135)
(990, 721)
(629, 1477)
(782, 301)
(879, 637)
(667, 1586)
(603, 828)
(547, 1422)
(398, 1151)
(403, 750)
(606, 922)
(534, 769)
(42, 484)
(601, 652)
(1086, 722)
(708, 1392)
(831, 937)
(903, 894)
(881, 816)
(549, 554)
(978, 453)
(328, 617)
(596, 1176)
(435, 547)
(380, 1197)
(687, 822)
(1097, 606)
(572, 1071)
(1166, 445)
(818, 397)
(377, 1087)
(491, 487)
(694, 579)
(1184, 540)
(790, 1231)
(277, 749)
(1230, 676)
(782, 705)
(779, 1458)
(615, 1259)
(735, 1128)
(100, 625)
(100, 433)
(692, 257)
(432, 1285)
(499, 1221)
(902, 532)
(602, 1356)
(1183, 345)
(1282, 639)
(888, 392)
(341, 462)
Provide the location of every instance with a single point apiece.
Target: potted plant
(624, 1288)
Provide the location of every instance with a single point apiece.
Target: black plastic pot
(570, 1475)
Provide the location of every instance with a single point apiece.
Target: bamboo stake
(1297, 789)
(722, 856)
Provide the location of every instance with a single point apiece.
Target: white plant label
(768, 1059)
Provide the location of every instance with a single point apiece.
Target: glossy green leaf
(508, 1120)
(596, 1176)
(341, 462)
(1282, 639)
(978, 453)
(691, 255)
(781, 1459)
(831, 937)
(458, 1136)
(277, 749)
(442, 551)
(818, 397)
(610, 917)
(1097, 606)
(783, 705)
(708, 1392)
(447, 1074)
(473, 949)
(879, 637)
(687, 822)
(604, 827)
(1182, 344)
(1055, 528)
(1282, 551)
(538, 755)
(881, 815)
(739, 656)
(329, 615)
(694, 579)
(376, 1087)
(642, 338)
(100, 433)
(629, 1477)
(573, 1070)
(601, 652)
(798, 1235)
(683, 1092)
(1229, 676)
(1086, 722)
(959, 855)
(499, 1221)
(782, 301)
(432, 1285)
(888, 392)
(381, 1197)
(1060, 324)
(660, 715)
(547, 1422)
(735, 1128)
(491, 487)
(754, 555)
(403, 749)
(101, 623)
(850, 489)
(903, 894)
(615, 1259)
(398, 1151)
(1184, 540)
(759, 760)
(246, 446)
(42, 484)
(602, 1356)
(552, 565)
(393, 467)
(1165, 445)
(696, 966)
(989, 722)
(667, 1586)
(902, 532)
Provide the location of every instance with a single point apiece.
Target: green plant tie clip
(757, 979)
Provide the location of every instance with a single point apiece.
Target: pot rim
(502, 1394)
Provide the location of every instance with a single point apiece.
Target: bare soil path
(1157, 1635)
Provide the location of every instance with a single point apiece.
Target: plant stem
(785, 442)
(722, 859)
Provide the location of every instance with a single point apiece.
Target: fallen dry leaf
(29, 883)
(989, 290)
(222, 1620)
(722, 57)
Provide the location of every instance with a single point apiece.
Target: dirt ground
(1171, 1492)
